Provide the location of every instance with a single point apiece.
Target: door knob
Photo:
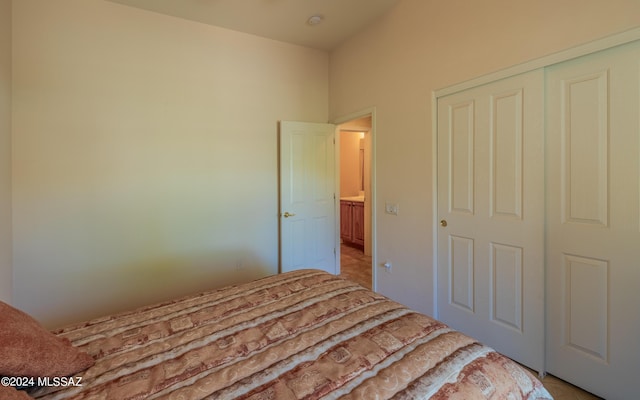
(287, 214)
(443, 223)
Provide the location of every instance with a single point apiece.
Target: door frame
(371, 111)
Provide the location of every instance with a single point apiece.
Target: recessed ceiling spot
(315, 19)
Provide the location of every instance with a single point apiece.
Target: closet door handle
(443, 223)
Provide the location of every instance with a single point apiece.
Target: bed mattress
(299, 335)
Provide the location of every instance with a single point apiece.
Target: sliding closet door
(491, 215)
(593, 222)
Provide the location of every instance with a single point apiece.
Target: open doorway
(356, 199)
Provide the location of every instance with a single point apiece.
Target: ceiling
(283, 20)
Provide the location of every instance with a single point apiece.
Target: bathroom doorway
(356, 199)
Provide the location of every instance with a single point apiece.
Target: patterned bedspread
(300, 335)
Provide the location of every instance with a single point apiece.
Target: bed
(300, 335)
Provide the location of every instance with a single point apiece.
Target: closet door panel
(585, 135)
(491, 208)
(506, 154)
(593, 229)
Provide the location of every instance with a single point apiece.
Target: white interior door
(593, 222)
(491, 212)
(308, 232)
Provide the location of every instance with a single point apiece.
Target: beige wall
(5, 151)
(423, 45)
(145, 154)
(349, 163)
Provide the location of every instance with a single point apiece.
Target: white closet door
(491, 199)
(593, 223)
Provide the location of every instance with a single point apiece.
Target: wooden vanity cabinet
(352, 222)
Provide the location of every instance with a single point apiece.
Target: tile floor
(354, 265)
